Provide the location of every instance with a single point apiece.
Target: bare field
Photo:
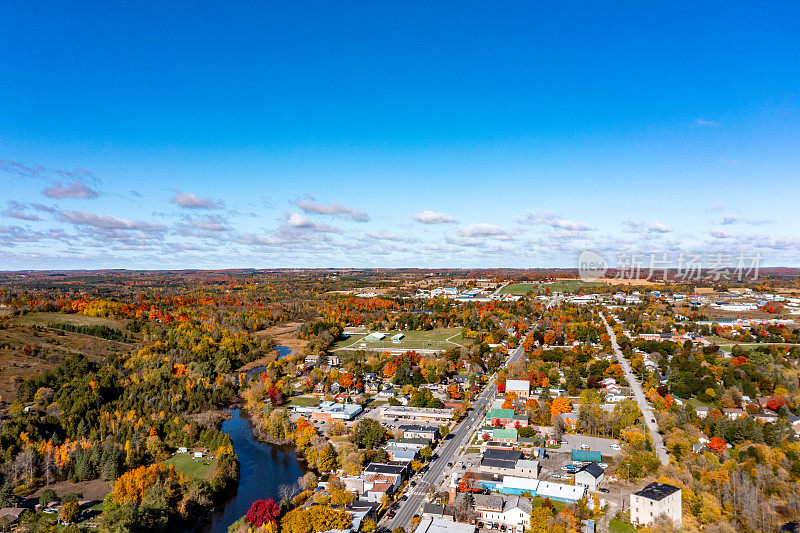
(286, 335)
(48, 319)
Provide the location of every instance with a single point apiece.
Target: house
(440, 512)
(183, 449)
(370, 377)
(510, 511)
(437, 525)
(504, 435)
(333, 360)
(733, 413)
(311, 360)
(319, 388)
(522, 387)
(590, 476)
(701, 411)
(500, 417)
(198, 452)
(526, 468)
(654, 500)
(11, 514)
(766, 418)
(401, 453)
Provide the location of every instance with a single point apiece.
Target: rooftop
(657, 491)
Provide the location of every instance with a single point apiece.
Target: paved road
(448, 450)
(638, 394)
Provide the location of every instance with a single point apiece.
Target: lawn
(303, 401)
(562, 285)
(436, 339)
(618, 526)
(48, 319)
(520, 289)
(186, 463)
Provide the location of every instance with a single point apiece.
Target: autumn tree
(262, 512)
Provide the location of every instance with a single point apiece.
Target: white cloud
(108, 222)
(485, 230)
(333, 209)
(191, 201)
(432, 217)
(298, 221)
(732, 219)
(706, 123)
(549, 218)
(657, 227)
(75, 190)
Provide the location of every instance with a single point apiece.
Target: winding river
(262, 470)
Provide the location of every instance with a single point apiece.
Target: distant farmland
(50, 319)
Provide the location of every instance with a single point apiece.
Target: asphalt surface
(448, 450)
(638, 394)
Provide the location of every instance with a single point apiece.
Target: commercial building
(331, 410)
(420, 414)
(413, 431)
(656, 499)
(438, 525)
(515, 485)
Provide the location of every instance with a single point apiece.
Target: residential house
(413, 431)
(510, 511)
(435, 511)
(590, 476)
(504, 435)
(733, 413)
(522, 387)
(702, 411)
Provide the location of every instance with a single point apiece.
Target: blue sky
(404, 134)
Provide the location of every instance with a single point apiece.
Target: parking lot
(576, 442)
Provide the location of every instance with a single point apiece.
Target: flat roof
(657, 491)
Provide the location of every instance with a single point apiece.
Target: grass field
(48, 319)
(562, 285)
(200, 468)
(437, 339)
(303, 401)
(618, 526)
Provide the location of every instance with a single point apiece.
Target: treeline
(101, 331)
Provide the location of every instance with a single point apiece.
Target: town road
(647, 411)
(449, 449)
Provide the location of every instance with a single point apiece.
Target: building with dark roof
(590, 476)
(654, 500)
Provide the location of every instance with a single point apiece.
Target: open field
(199, 468)
(286, 335)
(303, 401)
(437, 339)
(562, 285)
(48, 319)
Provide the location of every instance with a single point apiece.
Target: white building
(511, 511)
(438, 525)
(590, 476)
(654, 500)
(522, 387)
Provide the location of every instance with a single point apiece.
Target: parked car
(555, 476)
(602, 465)
(585, 447)
(615, 446)
(603, 490)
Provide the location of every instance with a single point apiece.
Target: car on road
(615, 446)
(555, 476)
(469, 463)
(603, 490)
(602, 465)
(403, 497)
(585, 447)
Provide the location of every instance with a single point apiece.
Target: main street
(647, 412)
(449, 449)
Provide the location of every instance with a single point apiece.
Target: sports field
(437, 339)
(562, 285)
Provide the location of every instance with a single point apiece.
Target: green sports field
(48, 319)
(562, 285)
(437, 339)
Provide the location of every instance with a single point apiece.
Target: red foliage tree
(263, 511)
(716, 444)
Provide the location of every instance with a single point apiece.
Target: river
(262, 470)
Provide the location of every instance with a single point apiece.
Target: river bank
(263, 468)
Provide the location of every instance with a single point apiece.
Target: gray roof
(498, 463)
(506, 455)
(594, 469)
(488, 501)
(657, 491)
(382, 468)
(432, 508)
